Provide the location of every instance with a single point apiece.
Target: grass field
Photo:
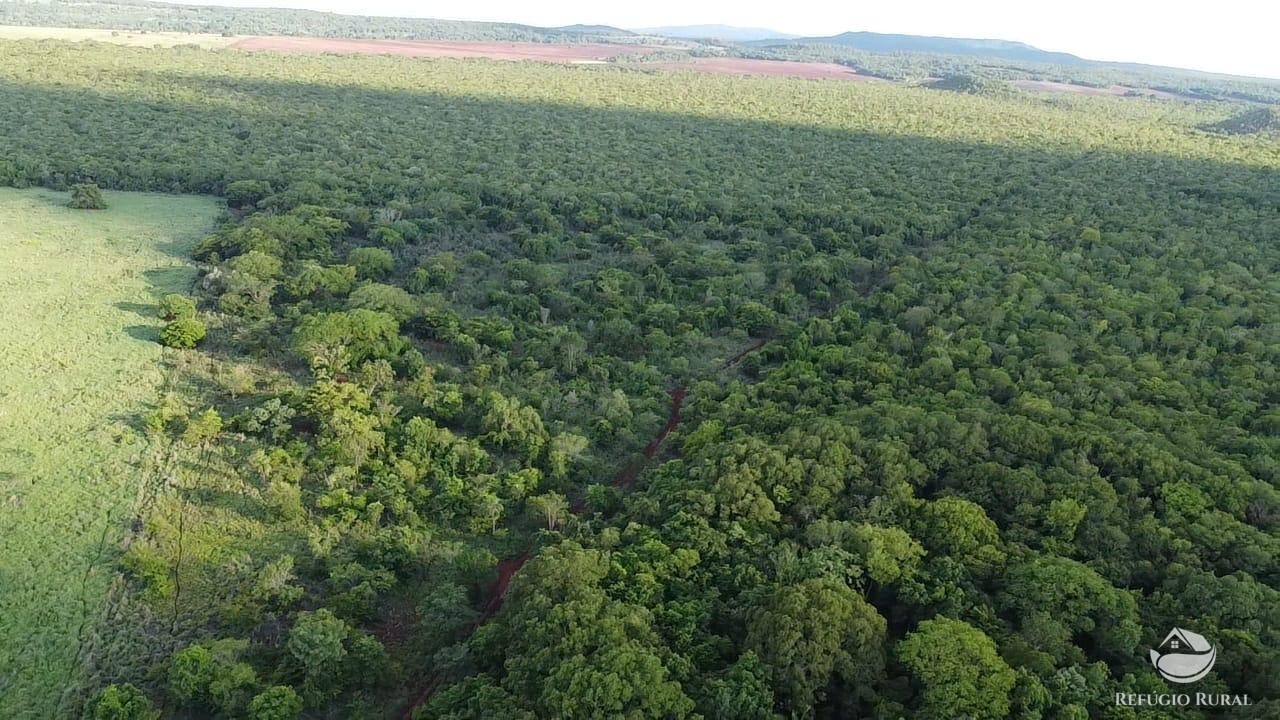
(77, 362)
(118, 37)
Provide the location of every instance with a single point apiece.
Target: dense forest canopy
(1007, 411)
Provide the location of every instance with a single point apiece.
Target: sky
(1230, 36)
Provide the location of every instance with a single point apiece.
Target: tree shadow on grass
(143, 310)
(228, 501)
(134, 420)
(146, 333)
(174, 278)
(55, 199)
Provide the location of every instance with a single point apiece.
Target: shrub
(212, 676)
(87, 196)
(316, 642)
(315, 279)
(389, 299)
(145, 564)
(276, 703)
(183, 333)
(246, 193)
(372, 263)
(190, 673)
(359, 334)
(177, 307)
(123, 702)
(386, 237)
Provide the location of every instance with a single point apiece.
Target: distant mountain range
(158, 16)
(729, 33)
(579, 29)
(868, 42)
(889, 43)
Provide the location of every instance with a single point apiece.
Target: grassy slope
(77, 308)
(118, 37)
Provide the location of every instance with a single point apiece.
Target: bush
(276, 703)
(177, 307)
(246, 193)
(87, 196)
(183, 333)
(212, 676)
(358, 334)
(389, 299)
(190, 673)
(372, 263)
(317, 643)
(123, 702)
(145, 565)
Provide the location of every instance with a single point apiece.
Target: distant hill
(580, 29)
(888, 43)
(886, 56)
(729, 33)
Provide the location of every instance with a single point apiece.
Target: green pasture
(78, 360)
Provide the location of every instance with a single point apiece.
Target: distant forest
(906, 58)
(143, 15)
(869, 56)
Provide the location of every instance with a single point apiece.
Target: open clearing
(1115, 90)
(118, 37)
(776, 68)
(78, 293)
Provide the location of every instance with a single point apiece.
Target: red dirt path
(506, 570)
(624, 480)
(549, 52)
(509, 567)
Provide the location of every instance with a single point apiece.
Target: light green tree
(958, 670)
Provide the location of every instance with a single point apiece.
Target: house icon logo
(1184, 656)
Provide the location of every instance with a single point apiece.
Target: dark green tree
(183, 333)
(87, 196)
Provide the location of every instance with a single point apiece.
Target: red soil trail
(673, 420)
(626, 477)
(624, 480)
(423, 696)
(506, 570)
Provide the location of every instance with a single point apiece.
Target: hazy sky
(1234, 36)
